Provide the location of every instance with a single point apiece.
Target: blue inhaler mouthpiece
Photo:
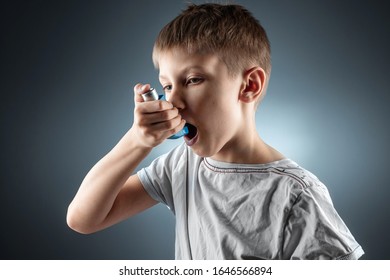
(151, 95)
(181, 133)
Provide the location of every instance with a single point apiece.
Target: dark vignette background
(68, 68)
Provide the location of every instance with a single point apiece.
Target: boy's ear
(253, 85)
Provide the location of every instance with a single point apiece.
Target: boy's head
(214, 63)
(228, 31)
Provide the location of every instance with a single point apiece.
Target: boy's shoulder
(304, 177)
(299, 178)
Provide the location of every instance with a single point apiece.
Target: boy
(234, 197)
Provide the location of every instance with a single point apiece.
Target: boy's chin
(201, 153)
(204, 152)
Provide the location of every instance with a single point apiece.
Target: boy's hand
(154, 121)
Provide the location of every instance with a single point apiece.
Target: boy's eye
(194, 80)
(167, 88)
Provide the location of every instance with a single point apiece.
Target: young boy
(233, 196)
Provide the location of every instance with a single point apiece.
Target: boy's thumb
(139, 89)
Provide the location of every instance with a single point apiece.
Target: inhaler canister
(150, 95)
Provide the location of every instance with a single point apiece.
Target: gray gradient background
(68, 69)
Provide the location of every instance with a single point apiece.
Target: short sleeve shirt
(247, 211)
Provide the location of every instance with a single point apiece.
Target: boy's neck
(248, 149)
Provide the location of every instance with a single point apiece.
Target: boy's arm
(109, 193)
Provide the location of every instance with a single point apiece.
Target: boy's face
(207, 98)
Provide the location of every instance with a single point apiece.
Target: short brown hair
(229, 31)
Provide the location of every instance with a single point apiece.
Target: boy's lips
(192, 137)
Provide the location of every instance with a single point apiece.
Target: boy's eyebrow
(186, 70)
(162, 77)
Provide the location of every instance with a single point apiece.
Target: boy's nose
(176, 98)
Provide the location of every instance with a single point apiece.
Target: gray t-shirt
(247, 211)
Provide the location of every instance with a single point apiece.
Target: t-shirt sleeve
(157, 178)
(314, 230)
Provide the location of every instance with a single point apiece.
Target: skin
(222, 107)
(199, 91)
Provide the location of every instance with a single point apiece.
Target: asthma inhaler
(151, 95)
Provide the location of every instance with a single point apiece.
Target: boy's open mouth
(192, 135)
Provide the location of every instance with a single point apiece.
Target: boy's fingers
(170, 127)
(153, 106)
(139, 89)
(157, 117)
